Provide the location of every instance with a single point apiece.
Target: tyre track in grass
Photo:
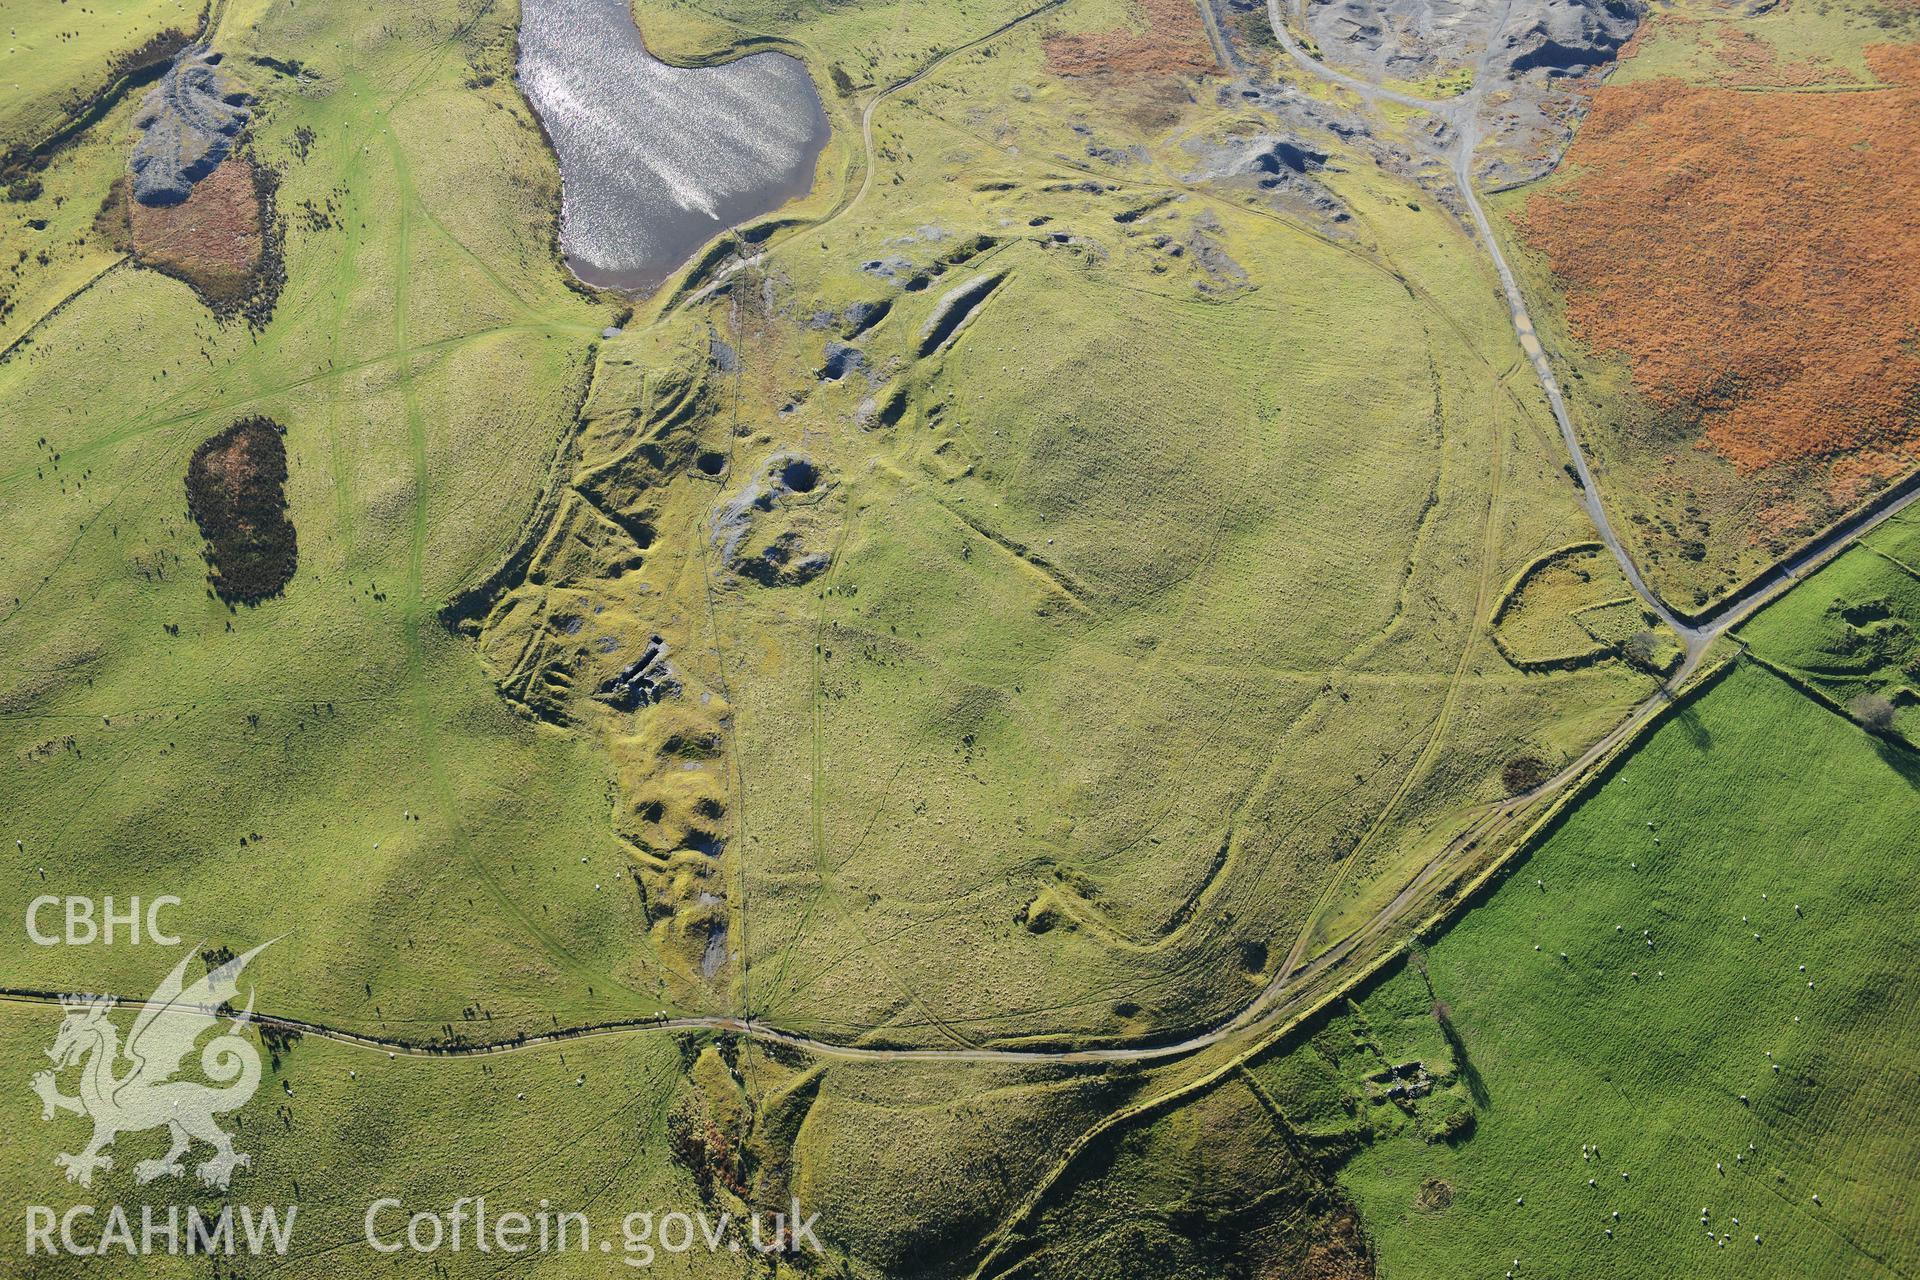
(1486, 585)
(1461, 115)
(1291, 993)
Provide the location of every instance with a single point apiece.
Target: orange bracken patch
(1171, 43)
(212, 238)
(1896, 63)
(1757, 256)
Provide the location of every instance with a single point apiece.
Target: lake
(656, 160)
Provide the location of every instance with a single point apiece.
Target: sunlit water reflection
(654, 159)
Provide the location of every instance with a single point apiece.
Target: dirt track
(1294, 989)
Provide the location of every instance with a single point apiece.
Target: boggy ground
(236, 490)
(1169, 43)
(214, 239)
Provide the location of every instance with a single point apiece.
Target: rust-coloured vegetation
(236, 490)
(1170, 42)
(1756, 259)
(213, 239)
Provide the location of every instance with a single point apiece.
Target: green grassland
(1830, 33)
(333, 765)
(1709, 1069)
(60, 52)
(906, 1165)
(1898, 538)
(1219, 1187)
(1573, 607)
(58, 247)
(1113, 754)
(334, 1128)
(1849, 631)
(1119, 644)
(1155, 627)
(868, 43)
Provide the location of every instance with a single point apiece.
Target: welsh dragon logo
(144, 1095)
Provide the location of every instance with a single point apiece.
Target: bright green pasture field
(59, 51)
(1898, 538)
(1851, 629)
(333, 765)
(1786, 838)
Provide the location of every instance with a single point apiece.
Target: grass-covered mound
(1853, 632)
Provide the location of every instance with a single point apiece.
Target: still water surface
(655, 160)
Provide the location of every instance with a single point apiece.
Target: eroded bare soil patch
(1171, 42)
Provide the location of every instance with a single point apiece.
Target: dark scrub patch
(236, 490)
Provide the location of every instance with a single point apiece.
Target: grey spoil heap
(188, 124)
